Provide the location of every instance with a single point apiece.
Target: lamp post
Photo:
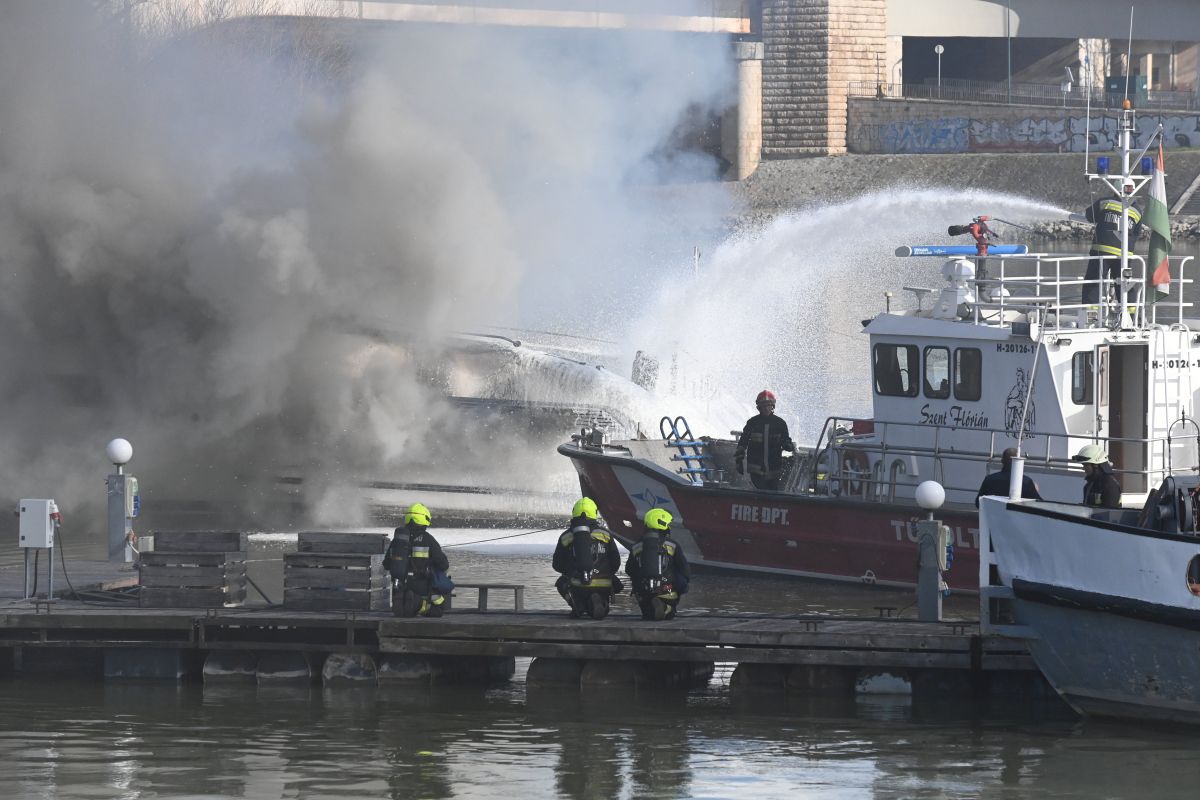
(937, 48)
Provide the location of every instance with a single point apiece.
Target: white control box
(37, 528)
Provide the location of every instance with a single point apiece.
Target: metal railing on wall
(1023, 94)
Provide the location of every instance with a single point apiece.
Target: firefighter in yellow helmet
(588, 560)
(414, 559)
(659, 570)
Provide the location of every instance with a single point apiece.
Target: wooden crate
(335, 581)
(342, 543)
(199, 541)
(202, 579)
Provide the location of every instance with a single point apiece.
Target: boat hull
(1116, 629)
(1108, 664)
(774, 532)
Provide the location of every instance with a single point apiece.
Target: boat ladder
(696, 463)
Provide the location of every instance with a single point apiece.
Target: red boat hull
(759, 531)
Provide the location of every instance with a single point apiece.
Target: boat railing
(862, 459)
(1049, 289)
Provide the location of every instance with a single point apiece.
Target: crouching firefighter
(588, 560)
(658, 568)
(420, 585)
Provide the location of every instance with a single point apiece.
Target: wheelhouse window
(937, 372)
(896, 370)
(1082, 379)
(968, 374)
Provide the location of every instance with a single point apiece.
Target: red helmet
(765, 396)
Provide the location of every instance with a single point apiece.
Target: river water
(77, 739)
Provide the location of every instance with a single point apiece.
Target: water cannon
(977, 229)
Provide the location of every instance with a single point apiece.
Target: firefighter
(1106, 244)
(588, 560)
(420, 585)
(658, 568)
(762, 443)
(1101, 489)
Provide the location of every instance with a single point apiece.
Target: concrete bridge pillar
(814, 50)
(742, 128)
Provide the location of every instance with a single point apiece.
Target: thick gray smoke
(194, 233)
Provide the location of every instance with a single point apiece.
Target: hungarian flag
(1160, 230)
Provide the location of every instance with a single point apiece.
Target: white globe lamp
(930, 496)
(119, 451)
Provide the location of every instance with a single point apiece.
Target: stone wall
(902, 126)
(813, 50)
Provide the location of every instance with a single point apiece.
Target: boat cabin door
(1121, 410)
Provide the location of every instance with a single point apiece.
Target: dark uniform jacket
(762, 443)
(412, 558)
(681, 573)
(605, 566)
(1106, 238)
(997, 484)
(1102, 490)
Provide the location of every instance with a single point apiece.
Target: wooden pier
(122, 639)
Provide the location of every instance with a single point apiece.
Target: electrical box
(37, 528)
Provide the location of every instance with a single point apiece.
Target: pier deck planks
(699, 638)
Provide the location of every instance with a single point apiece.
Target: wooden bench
(517, 589)
(186, 569)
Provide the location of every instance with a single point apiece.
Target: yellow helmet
(657, 519)
(585, 507)
(417, 513)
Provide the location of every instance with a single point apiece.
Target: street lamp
(937, 48)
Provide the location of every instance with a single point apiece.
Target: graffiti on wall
(1022, 135)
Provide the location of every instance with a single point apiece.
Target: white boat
(1108, 601)
(1004, 352)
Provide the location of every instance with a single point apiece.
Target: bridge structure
(796, 59)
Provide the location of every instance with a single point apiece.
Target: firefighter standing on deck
(658, 568)
(1106, 241)
(588, 559)
(762, 443)
(1101, 489)
(420, 585)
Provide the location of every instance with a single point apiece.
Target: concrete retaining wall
(900, 127)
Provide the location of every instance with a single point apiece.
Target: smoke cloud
(198, 231)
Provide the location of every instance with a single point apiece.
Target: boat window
(896, 370)
(1193, 576)
(937, 372)
(968, 373)
(1082, 379)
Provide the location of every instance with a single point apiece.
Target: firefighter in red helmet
(762, 443)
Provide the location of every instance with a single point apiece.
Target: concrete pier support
(741, 127)
(405, 669)
(145, 663)
(444, 669)
(348, 668)
(820, 680)
(230, 666)
(556, 672)
(283, 667)
(759, 678)
(814, 50)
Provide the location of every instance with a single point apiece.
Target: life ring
(855, 468)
